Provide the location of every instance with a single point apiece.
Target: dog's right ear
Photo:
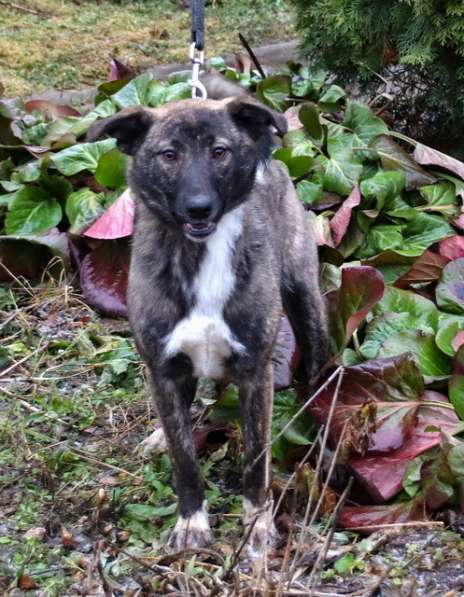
(129, 127)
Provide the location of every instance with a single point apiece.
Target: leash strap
(198, 24)
(196, 53)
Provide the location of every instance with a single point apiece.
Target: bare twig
(252, 55)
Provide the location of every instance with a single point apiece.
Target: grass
(71, 43)
(82, 512)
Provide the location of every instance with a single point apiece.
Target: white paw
(191, 532)
(259, 527)
(155, 443)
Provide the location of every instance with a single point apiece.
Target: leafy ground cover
(81, 506)
(67, 44)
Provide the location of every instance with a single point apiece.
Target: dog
(221, 246)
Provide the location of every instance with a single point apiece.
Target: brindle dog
(221, 246)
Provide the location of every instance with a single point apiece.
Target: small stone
(35, 533)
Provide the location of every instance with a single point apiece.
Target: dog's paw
(192, 532)
(259, 528)
(154, 444)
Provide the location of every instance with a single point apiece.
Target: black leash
(198, 24)
(197, 46)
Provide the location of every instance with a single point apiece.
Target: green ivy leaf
(309, 118)
(441, 198)
(344, 168)
(361, 120)
(274, 91)
(309, 192)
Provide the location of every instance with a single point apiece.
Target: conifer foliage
(416, 45)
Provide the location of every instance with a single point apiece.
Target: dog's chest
(203, 334)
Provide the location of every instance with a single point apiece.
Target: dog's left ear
(129, 127)
(255, 117)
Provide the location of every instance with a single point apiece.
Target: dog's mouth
(199, 230)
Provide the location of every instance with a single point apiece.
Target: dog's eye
(170, 155)
(219, 153)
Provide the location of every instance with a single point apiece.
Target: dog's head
(194, 160)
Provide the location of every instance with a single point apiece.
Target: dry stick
(333, 463)
(21, 361)
(113, 467)
(253, 56)
(331, 524)
(10, 273)
(317, 473)
(293, 475)
(298, 413)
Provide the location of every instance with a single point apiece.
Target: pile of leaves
(390, 228)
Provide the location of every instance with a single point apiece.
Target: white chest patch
(204, 335)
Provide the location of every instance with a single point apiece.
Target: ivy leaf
(421, 232)
(309, 192)
(309, 117)
(332, 95)
(32, 210)
(394, 157)
(380, 238)
(82, 208)
(361, 120)
(274, 91)
(344, 167)
(441, 198)
(383, 187)
(84, 156)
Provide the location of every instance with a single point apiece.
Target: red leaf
(361, 288)
(117, 221)
(431, 157)
(458, 340)
(51, 109)
(339, 223)
(118, 71)
(426, 268)
(383, 405)
(373, 518)
(382, 475)
(103, 277)
(452, 248)
(285, 356)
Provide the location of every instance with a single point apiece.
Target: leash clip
(197, 58)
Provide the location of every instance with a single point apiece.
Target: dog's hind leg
(305, 309)
(256, 397)
(173, 400)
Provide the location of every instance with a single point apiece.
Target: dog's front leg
(256, 397)
(173, 399)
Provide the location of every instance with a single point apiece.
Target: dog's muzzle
(199, 231)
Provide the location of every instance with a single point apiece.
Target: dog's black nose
(199, 207)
